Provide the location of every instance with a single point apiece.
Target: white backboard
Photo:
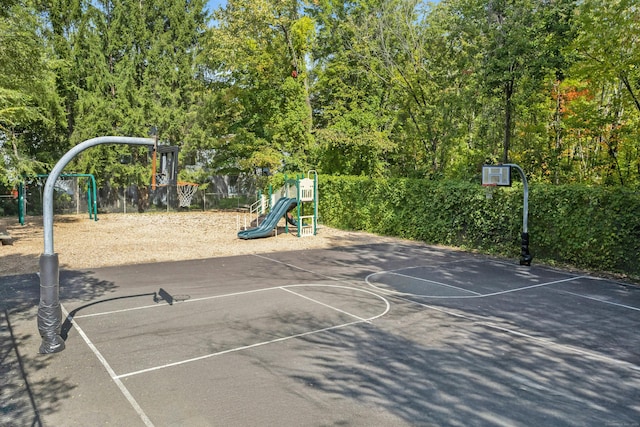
(496, 175)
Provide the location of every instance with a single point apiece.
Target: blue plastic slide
(279, 210)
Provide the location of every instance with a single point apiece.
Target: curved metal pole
(49, 310)
(47, 198)
(525, 257)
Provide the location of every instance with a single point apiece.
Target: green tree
(607, 42)
(353, 112)
(133, 65)
(607, 60)
(514, 51)
(30, 113)
(258, 98)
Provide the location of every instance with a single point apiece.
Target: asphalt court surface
(385, 335)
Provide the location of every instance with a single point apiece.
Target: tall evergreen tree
(133, 66)
(30, 113)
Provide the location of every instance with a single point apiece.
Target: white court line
(555, 282)
(630, 307)
(351, 288)
(233, 350)
(102, 313)
(324, 305)
(136, 407)
(206, 356)
(143, 307)
(434, 282)
(477, 295)
(483, 321)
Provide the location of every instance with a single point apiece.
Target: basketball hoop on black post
(494, 176)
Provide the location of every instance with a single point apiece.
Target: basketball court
(387, 335)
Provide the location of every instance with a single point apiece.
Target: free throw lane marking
(359, 319)
(476, 294)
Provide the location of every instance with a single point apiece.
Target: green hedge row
(597, 228)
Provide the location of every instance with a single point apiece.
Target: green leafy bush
(589, 227)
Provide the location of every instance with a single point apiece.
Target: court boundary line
(325, 305)
(232, 294)
(235, 349)
(123, 389)
(150, 306)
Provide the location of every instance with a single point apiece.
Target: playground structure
(291, 196)
(67, 184)
(14, 202)
(165, 168)
(68, 197)
(128, 192)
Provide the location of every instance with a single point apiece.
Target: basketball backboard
(499, 175)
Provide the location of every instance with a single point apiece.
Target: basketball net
(186, 190)
(488, 190)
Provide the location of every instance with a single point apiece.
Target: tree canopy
(397, 88)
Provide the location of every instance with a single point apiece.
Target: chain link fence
(228, 192)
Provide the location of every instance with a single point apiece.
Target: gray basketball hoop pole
(49, 310)
(525, 256)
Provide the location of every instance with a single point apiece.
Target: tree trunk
(143, 198)
(627, 85)
(508, 92)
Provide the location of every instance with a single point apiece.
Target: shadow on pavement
(19, 298)
(454, 372)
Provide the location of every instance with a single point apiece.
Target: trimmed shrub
(589, 227)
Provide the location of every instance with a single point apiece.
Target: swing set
(64, 183)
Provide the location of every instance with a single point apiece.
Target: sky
(214, 4)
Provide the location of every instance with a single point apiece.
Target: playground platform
(394, 334)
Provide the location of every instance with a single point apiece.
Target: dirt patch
(120, 239)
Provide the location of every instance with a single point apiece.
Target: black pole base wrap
(525, 256)
(49, 310)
